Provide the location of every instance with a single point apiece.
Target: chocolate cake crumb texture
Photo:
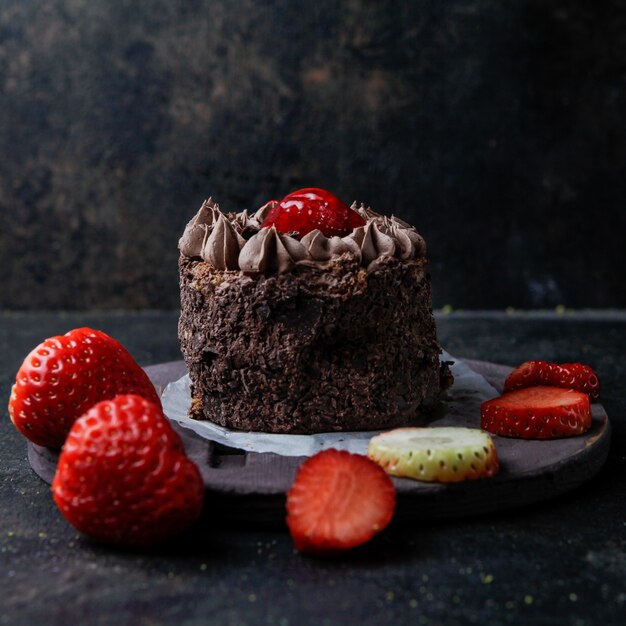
(334, 348)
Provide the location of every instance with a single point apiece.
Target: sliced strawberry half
(577, 376)
(567, 375)
(338, 501)
(529, 374)
(537, 413)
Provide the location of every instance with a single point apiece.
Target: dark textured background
(497, 128)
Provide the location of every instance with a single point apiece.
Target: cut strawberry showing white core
(440, 454)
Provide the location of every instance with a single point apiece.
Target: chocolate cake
(289, 335)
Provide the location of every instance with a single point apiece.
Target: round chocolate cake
(316, 334)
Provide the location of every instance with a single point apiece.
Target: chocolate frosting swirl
(236, 241)
(271, 250)
(223, 244)
(322, 248)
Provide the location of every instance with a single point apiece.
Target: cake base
(314, 350)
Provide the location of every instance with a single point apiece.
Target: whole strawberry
(66, 375)
(123, 477)
(309, 209)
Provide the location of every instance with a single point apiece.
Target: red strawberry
(338, 501)
(66, 375)
(123, 477)
(567, 375)
(537, 413)
(305, 210)
(528, 374)
(577, 376)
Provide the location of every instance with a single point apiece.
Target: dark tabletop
(559, 562)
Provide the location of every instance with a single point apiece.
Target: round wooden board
(252, 486)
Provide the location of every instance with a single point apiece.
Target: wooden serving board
(252, 486)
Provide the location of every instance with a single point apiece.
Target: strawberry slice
(567, 375)
(439, 454)
(309, 209)
(66, 375)
(338, 501)
(537, 413)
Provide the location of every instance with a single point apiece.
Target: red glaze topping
(308, 209)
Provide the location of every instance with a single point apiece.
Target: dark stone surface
(561, 562)
(497, 128)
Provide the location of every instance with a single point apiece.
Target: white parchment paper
(460, 407)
